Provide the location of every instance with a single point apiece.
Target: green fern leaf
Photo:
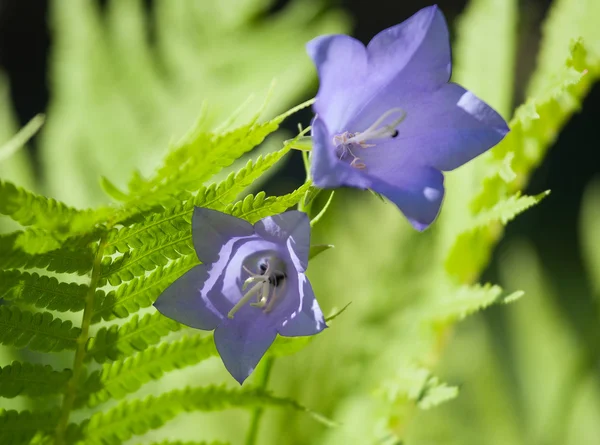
(38, 332)
(141, 292)
(71, 259)
(122, 377)
(467, 300)
(155, 254)
(178, 218)
(535, 126)
(31, 380)
(18, 428)
(42, 291)
(196, 159)
(139, 416)
(253, 208)
(27, 208)
(137, 334)
(471, 250)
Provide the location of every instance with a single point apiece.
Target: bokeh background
(528, 373)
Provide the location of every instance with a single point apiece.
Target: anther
(265, 287)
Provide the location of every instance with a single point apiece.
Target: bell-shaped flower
(250, 286)
(387, 118)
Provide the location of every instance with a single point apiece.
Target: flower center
(267, 285)
(346, 141)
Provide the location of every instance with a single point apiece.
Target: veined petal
(211, 230)
(412, 55)
(417, 192)
(445, 129)
(341, 62)
(186, 300)
(242, 343)
(308, 318)
(292, 228)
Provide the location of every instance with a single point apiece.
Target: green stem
(71, 390)
(252, 435)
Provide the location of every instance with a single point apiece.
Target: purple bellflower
(387, 118)
(250, 286)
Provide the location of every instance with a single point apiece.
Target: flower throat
(266, 283)
(346, 141)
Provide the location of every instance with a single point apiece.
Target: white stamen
(376, 131)
(262, 290)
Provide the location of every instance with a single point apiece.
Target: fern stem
(78, 367)
(252, 435)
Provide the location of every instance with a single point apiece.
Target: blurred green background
(119, 80)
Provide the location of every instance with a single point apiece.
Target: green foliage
(471, 249)
(36, 331)
(32, 380)
(125, 376)
(66, 259)
(42, 291)
(139, 416)
(137, 334)
(140, 292)
(18, 428)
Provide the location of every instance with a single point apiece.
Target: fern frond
(137, 334)
(139, 416)
(122, 377)
(141, 292)
(31, 380)
(536, 124)
(155, 254)
(470, 299)
(253, 208)
(18, 428)
(178, 218)
(197, 158)
(27, 208)
(71, 259)
(42, 291)
(38, 332)
(471, 249)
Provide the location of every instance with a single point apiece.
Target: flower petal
(184, 302)
(308, 318)
(341, 62)
(444, 130)
(211, 230)
(326, 170)
(292, 228)
(418, 193)
(241, 343)
(414, 55)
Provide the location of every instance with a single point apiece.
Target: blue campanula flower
(388, 119)
(250, 286)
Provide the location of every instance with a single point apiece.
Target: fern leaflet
(122, 377)
(38, 332)
(141, 292)
(72, 259)
(139, 416)
(137, 334)
(32, 380)
(41, 291)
